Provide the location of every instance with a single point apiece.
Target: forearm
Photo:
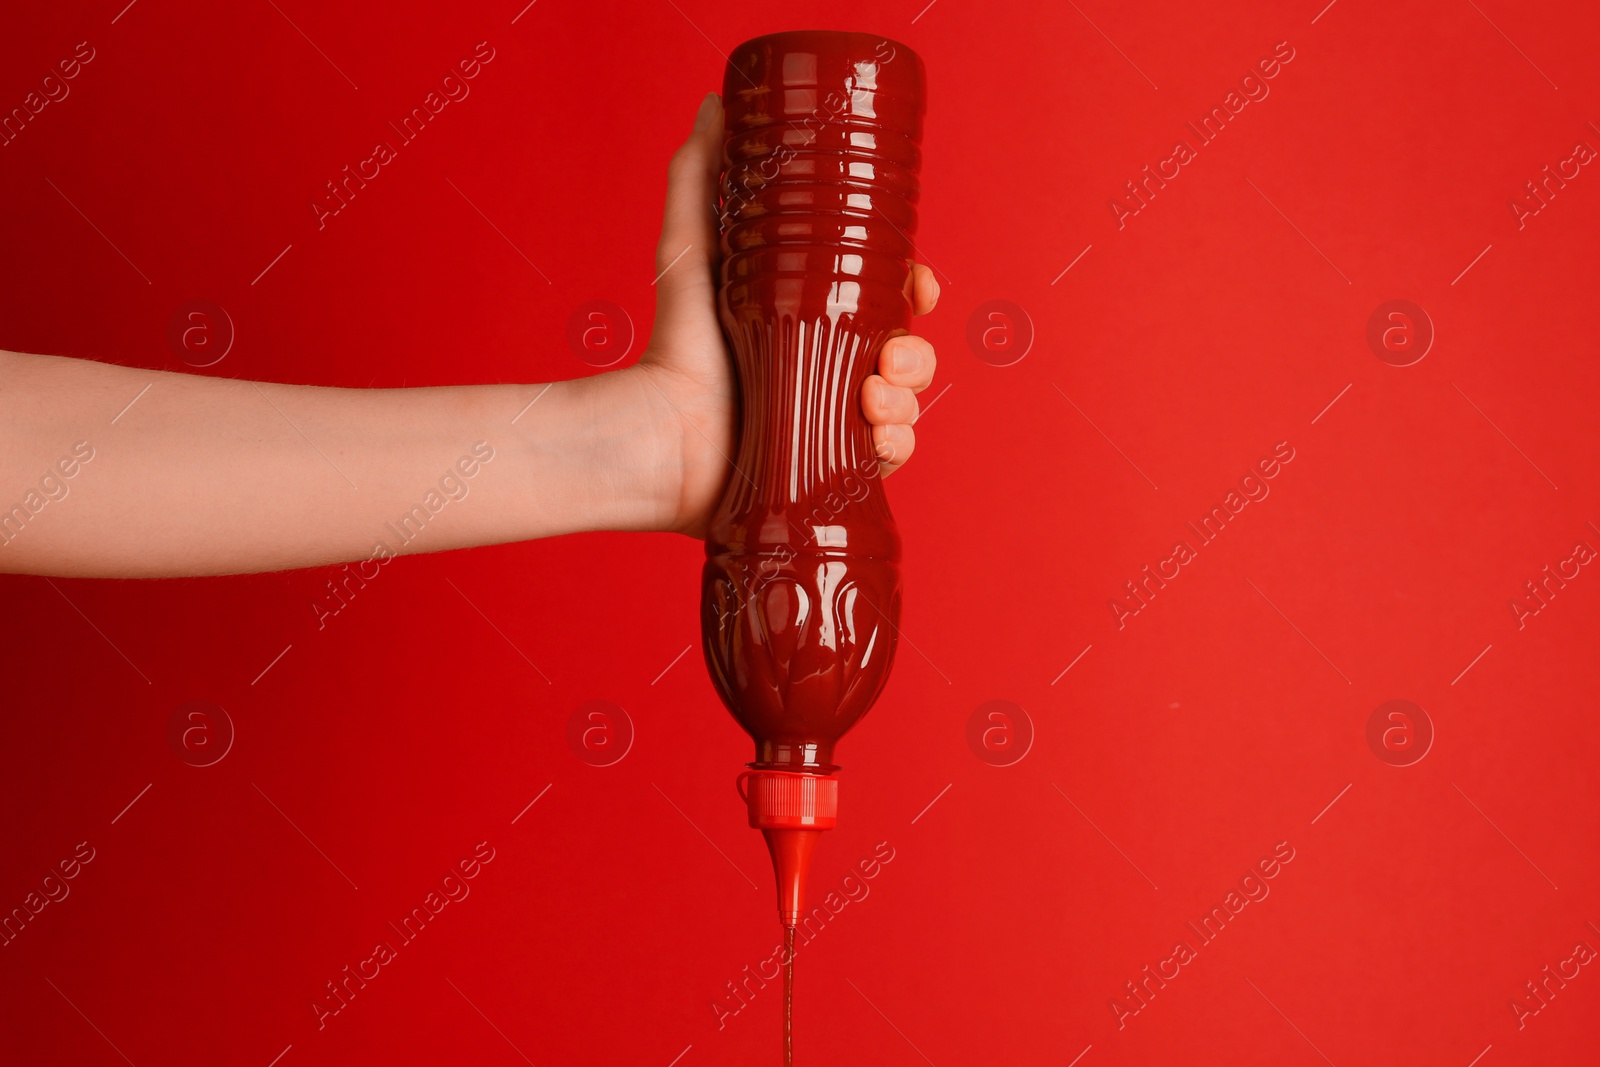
(190, 475)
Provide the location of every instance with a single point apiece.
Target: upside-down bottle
(801, 588)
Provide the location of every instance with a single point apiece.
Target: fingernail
(708, 109)
(899, 360)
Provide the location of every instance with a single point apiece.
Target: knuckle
(872, 398)
(685, 162)
(894, 445)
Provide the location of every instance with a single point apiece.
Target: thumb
(688, 244)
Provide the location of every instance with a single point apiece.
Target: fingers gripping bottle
(800, 596)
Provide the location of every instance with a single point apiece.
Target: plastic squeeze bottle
(800, 595)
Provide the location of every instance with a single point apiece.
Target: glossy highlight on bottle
(801, 587)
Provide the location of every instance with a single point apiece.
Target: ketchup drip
(800, 596)
(788, 996)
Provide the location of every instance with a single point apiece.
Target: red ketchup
(800, 598)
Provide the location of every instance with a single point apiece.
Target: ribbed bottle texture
(777, 800)
(801, 591)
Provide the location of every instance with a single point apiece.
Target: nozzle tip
(791, 862)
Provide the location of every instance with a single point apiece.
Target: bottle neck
(804, 757)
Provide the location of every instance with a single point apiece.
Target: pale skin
(205, 476)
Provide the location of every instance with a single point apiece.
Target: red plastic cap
(785, 800)
(791, 810)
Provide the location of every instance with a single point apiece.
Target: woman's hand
(195, 474)
(687, 373)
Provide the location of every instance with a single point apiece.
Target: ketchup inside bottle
(801, 587)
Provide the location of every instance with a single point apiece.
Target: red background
(1223, 719)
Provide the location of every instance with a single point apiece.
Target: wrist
(617, 443)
